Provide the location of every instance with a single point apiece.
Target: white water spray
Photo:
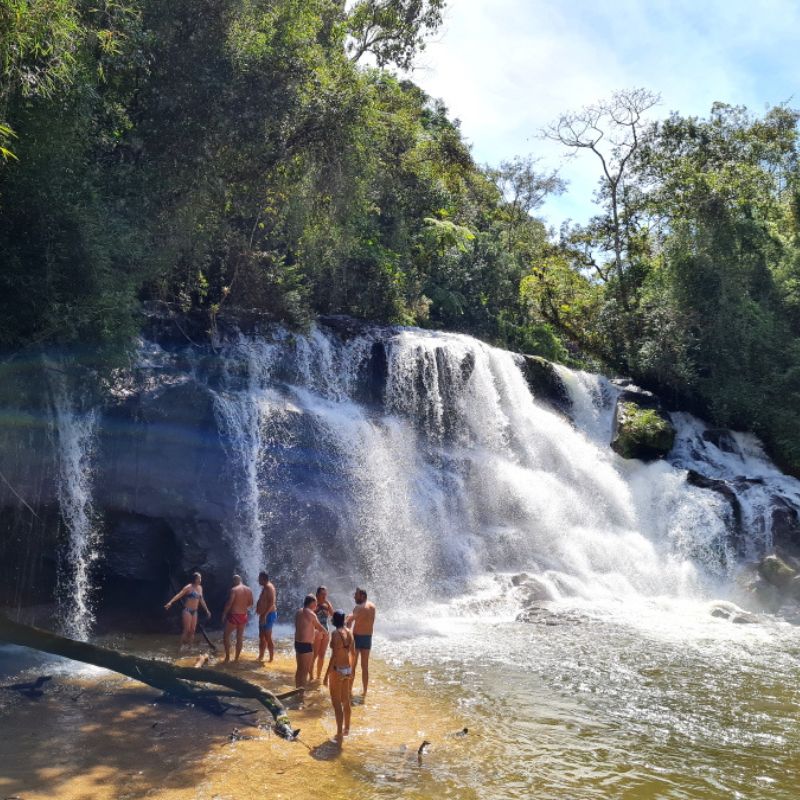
(461, 471)
(75, 438)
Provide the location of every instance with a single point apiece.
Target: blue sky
(506, 68)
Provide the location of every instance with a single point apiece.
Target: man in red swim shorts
(234, 615)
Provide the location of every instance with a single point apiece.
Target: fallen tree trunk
(176, 681)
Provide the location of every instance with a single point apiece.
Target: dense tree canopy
(267, 154)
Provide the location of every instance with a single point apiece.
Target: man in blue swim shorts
(267, 611)
(362, 621)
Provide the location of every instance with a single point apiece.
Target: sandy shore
(98, 737)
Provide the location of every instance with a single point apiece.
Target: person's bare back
(241, 599)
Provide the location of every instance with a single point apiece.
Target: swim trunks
(237, 619)
(303, 647)
(269, 622)
(363, 642)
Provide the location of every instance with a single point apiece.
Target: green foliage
(709, 256)
(392, 31)
(642, 432)
(241, 153)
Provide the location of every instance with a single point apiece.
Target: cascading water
(456, 470)
(75, 432)
(245, 417)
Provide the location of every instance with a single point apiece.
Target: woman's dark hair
(338, 619)
(196, 577)
(263, 575)
(321, 589)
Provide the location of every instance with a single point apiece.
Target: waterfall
(456, 470)
(245, 414)
(75, 433)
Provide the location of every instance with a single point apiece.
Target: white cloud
(507, 68)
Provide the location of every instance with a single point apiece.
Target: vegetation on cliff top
(264, 153)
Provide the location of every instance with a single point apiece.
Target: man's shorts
(363, 642)
(269, 622)
(237, 620)
(302, 648)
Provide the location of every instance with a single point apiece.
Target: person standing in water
(362, 622)
(234, 616)
(267, 611)
(192, 596)
(324, 612)
(339, 675)
(306, 625)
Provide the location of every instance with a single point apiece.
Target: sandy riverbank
(101, 737)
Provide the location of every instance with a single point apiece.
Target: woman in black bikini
(324, 612)
(192, 596)
(339, 674)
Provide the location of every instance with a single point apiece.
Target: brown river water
(652, 699)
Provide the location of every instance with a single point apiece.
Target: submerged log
(174, 680)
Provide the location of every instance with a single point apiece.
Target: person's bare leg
(192, 630)
(321, 645)
(346, 706)
(239, 640)
(184, 625)
(310, 662)
(353, 665)
(226, 641)
(338, 690)
(270, 646)
(298, 674)
(364, 671)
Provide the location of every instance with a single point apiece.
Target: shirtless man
(306, 626)
(234, 615)
(267, 611)
(362, 621)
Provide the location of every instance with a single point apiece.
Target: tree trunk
(175, 680)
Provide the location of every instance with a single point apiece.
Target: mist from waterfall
(457, 470)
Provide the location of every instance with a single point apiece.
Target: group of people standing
(350, 641)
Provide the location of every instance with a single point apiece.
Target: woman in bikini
(339, 674)
(192, 596)
(324, 612)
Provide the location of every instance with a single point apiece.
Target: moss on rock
(644, 433)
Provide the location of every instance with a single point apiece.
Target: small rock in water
(732, 613)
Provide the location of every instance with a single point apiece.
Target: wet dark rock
(723, 488)
(721, 438)
(785, 526)
(346, 327)
(545, 383)
(732, 613)
(641, 397)
(377, 374)
(641, 431)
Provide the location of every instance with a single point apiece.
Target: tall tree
(612, 131)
